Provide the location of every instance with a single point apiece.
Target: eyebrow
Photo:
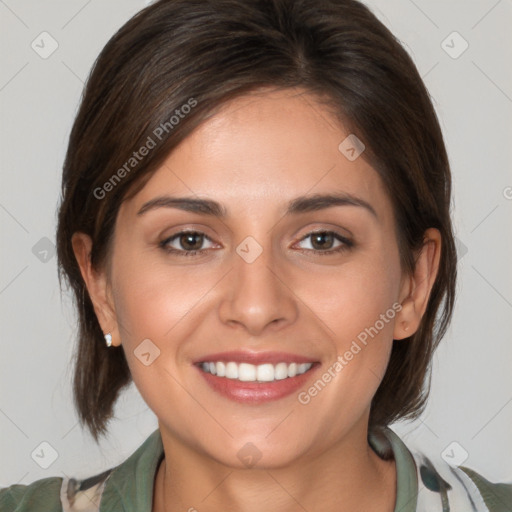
(298, 205)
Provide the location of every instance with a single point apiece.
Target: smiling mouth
(246, 372)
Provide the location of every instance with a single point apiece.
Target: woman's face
(258, 283)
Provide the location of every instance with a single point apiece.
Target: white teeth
(280, 371)
(303, 367)
(265, 372)
(221, 369)
(232, 371)
(247, 372)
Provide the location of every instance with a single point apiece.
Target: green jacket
(423, 485)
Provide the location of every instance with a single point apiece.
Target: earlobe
(97, 286)
(418, 286)
(404, 326)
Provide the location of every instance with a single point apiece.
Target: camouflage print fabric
(423, 485)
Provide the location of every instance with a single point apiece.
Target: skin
(259, 152)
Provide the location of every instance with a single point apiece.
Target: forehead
(266, 147)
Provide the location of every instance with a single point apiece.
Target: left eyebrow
(298, 205)
(320, 201)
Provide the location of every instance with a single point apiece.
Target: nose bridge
(255, 296)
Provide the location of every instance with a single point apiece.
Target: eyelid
(324, 230)
(324, 227)
(327, 227)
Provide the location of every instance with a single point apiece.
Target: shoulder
(497, 496)
(431, 483)
(55, 494)
(128, 484)
(41, 496)
(458, 486)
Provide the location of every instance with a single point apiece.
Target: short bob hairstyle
(173, 65)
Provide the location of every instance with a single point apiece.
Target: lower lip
(257, 392)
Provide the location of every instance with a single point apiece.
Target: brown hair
(203, 53)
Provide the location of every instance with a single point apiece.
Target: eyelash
(346, 243)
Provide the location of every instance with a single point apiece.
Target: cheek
(352, 297)
(151, 298)
(165, 305)
(357, 302)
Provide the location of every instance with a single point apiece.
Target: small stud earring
(108, 339)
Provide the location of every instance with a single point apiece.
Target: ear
(97, 286)
(416, 288)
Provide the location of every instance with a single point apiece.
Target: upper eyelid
(184, 232)
(339, 237)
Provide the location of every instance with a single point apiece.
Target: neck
(349, 476)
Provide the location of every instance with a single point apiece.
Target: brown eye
(186, 243)
(326, 242)
(191, 241)
(322, 240)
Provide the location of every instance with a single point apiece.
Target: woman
(255, 224)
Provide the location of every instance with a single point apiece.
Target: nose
(256, 296)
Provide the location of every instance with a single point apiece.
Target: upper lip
(242, 356)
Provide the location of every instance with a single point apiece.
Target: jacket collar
(129, 487)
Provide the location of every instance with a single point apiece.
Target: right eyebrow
(189, 204)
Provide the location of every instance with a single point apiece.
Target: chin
(254, 454)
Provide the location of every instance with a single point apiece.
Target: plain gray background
(471, 399)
